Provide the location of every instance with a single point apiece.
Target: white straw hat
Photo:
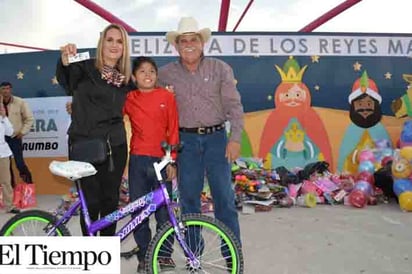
(188, 25)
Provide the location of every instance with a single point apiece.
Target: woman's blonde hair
(123, 65)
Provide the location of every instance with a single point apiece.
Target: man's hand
(19, 135)
(171, 172)
(232, 151)
(69, 107)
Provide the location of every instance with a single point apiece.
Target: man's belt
(202, 130)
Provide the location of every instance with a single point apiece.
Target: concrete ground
(322, 240)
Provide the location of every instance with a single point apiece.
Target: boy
(153, 117)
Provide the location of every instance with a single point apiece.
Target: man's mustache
(365, 109)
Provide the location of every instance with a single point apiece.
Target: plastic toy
(405, 200)
(366, 176)
(401, 168)
(360, 194)
(307, 200)
(366, 155)
(366, 166)
(401, 185)
(357, 199)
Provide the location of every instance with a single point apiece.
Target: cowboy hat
(188, 25)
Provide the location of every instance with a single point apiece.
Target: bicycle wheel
(32, 223)
(215, 246)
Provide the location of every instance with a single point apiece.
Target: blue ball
(386, 152)
(401, 185)
(364, 186)
(366, 166)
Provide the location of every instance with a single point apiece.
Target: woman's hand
(69, 107)
(66, 51)
(170, 172)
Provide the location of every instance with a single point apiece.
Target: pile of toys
(312, 185)
(402, 169)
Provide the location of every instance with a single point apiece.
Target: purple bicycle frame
(146, 204)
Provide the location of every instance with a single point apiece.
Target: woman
(99, 88)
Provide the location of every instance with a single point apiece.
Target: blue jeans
(142, 180)
(16, 146)
(206, 154)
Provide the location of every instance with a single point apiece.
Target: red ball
(385, 160)
(366, 176)
(357, 198)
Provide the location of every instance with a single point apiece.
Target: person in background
(99, 87)
(153, 117)
(21, 117)
(206, 97)
(6, 129)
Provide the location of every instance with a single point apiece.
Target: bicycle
(193, 241)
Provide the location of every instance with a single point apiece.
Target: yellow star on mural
(357, 66)
(20, 75)
(317, 87)
(388, 75)
(54, 81)
(315, 58)
(38, 67)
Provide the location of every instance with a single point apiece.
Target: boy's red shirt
(153, 119)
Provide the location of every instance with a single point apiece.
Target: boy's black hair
(138, 61)
(6, 84)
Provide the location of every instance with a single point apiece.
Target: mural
(294, 89)
(294, 134)
(365, 129)
(402, 106)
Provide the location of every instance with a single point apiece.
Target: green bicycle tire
(195, 220)
(32, 216)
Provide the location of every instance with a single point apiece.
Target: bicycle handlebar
(167, 158)
(169, 148)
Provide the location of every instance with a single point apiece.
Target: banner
(278, 44)
(48, 135)
(60, 255)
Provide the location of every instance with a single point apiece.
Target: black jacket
(97, 109)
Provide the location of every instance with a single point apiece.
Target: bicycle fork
(180, 231)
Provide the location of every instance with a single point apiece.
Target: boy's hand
(171, 172)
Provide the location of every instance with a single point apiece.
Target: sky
(50, 24)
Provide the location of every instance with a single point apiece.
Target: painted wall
(297, 91)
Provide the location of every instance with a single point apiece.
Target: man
(6, 129)
(22, 120)
(206, 97)
(365, 128)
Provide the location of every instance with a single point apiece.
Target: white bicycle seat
(72, 170)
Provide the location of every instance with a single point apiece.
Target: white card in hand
(79, 57)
